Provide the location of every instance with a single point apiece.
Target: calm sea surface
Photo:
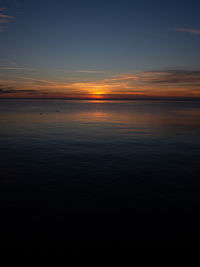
(98, 173)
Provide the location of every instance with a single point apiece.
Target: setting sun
(98, 95)
(99, 125)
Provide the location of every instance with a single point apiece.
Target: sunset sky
(99, 49)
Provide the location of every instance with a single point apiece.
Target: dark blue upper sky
(112, 36)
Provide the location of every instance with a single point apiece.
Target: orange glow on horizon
(98, 95)
(147, 85)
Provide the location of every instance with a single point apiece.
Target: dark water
(95, 174)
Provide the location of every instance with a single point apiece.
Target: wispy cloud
(39, 81)
(172, 77)
(4, 18)
(189, 30)
(15, 66)
(3, 9)
(89, 71)
(162, 77)
(14, 90)
(166, 83)
(123, 77)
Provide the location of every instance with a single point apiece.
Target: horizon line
(106, 99)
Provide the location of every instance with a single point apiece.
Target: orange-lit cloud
(89, 71)
(171, 77)
(4, 18)
(3, 9)
(14, 66)
(161, 84)
(189, 30)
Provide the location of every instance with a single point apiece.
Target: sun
(98, 94)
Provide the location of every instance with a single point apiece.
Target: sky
(99, 49)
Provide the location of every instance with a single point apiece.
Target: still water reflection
(78, 166)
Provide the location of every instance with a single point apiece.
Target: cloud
(189, 30)
(148, 84)
(13, 90)
(14, 66)
(89, 71)
(4, 18)
(39, 81)
(172, 77)
(3, 9)
(123, 77)
(162, 77)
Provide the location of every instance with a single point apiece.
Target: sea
(88, 173)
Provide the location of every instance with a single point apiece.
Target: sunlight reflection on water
(101, 159)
